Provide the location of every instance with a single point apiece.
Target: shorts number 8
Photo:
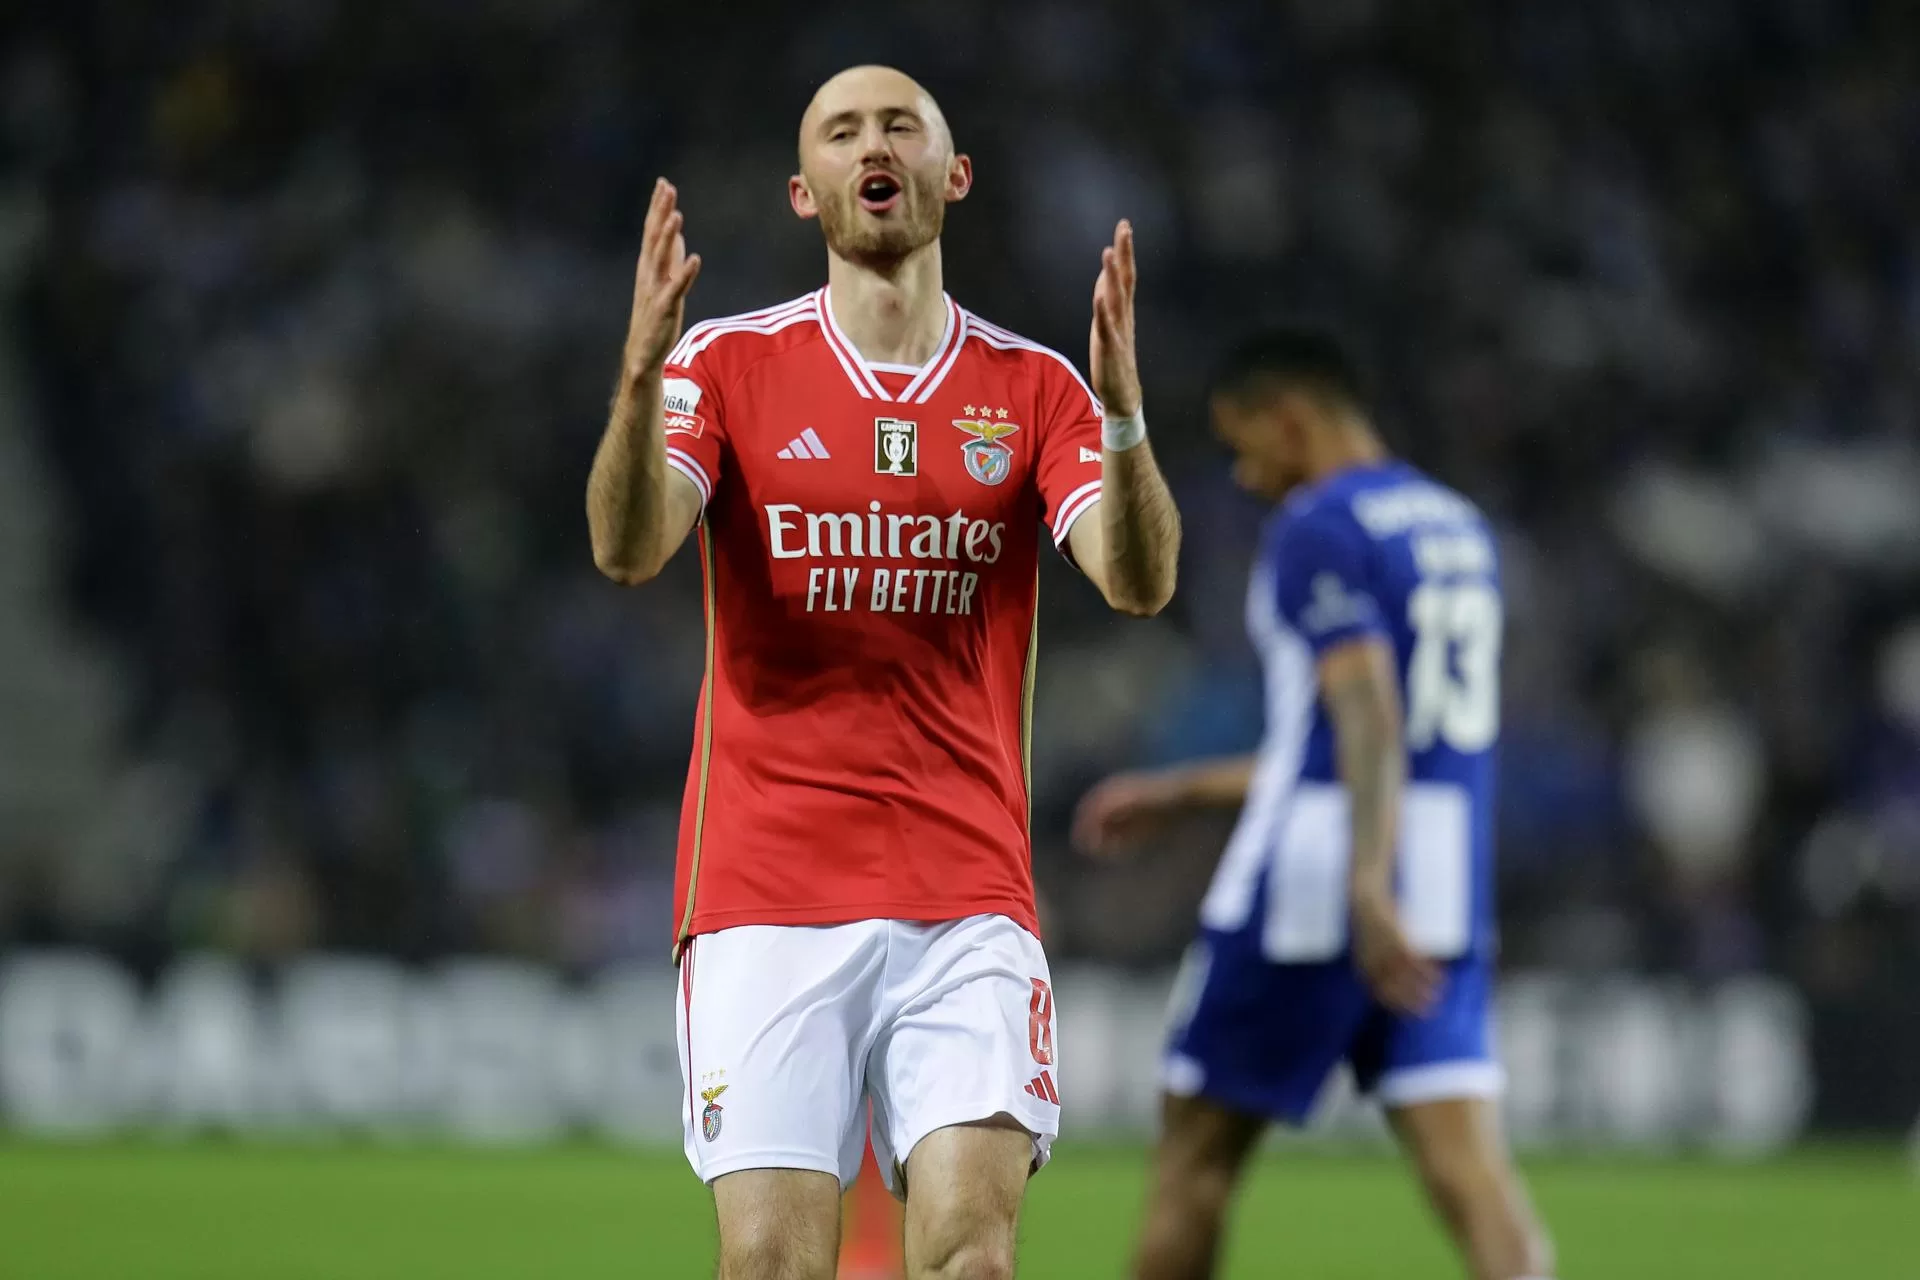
(1040, 1023)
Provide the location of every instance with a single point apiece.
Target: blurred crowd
(323, 315)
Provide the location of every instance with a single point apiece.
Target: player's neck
(895, 315)
(1352, 445)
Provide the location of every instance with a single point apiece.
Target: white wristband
(1122, 434)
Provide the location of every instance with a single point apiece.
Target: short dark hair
(1312, 359)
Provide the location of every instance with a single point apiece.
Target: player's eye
(839, 135)
(902, 126)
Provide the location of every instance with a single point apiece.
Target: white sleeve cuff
(1072, 509)
(687, 465)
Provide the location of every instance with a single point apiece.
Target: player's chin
(880, 241)
(1261, 481)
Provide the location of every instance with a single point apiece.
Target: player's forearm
(627, 508)
(1212, 784)
(1372, 767)
(1141, 528)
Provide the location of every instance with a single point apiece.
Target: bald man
(869, 469)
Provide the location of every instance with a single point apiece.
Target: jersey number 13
(1453, 678)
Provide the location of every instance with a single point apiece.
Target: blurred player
(1376, 610)
(868, 467)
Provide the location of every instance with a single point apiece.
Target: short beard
(881, 246)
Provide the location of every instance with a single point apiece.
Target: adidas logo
(805, 445)
(1041, 1087)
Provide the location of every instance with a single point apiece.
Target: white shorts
(786, 1032)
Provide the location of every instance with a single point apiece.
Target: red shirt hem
(1020, 913)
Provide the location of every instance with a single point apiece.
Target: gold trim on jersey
(710, 566)
(1026, 700)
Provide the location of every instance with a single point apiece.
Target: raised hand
(660, 283)
(1110, 356)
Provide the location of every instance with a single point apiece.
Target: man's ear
(1294, 416)
(959, 178)
(801, 198)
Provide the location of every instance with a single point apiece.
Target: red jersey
(870, 545)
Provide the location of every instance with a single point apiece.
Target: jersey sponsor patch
(1089, 455)
(1334, 606)
(676, 423)
(680, 395)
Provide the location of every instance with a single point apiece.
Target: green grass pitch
(202, 1211)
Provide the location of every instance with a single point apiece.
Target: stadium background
(337, 792)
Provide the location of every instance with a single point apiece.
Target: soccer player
(867, 469)
(1351, 916)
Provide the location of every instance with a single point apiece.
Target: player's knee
(1198, 1169)
(980, 1258)
(1484, 1202)
(963, 1243)
(961, 1237)
(1195, 1190)
(1531, 1243)
(965, 1240)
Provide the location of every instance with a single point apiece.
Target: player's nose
(876, 144)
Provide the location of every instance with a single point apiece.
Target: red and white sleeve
(1069, 466)
(695, 427)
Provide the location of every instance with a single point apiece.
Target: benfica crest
(710, 1118)
(988, 461)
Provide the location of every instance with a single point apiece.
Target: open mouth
(879, 192)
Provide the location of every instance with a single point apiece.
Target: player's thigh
(971, 1037)
(966, 1183)
(778, 1224)
(1451, 1133)
(1254, 1036)
(1202, 1148)
(774, 1025)
(1459, 1150)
